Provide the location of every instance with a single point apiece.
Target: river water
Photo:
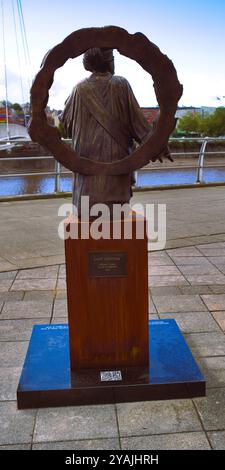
(45, 184)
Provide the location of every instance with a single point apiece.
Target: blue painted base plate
(47, 379)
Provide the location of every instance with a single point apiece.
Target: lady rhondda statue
(104, 120)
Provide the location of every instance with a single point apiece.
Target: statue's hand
(164, 154)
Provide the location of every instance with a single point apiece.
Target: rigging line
(6, 80)
(23, 36)
(24, 29)
(18, 52)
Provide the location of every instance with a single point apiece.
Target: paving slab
(151, 306)
(214, 302)
(62, 271)
(16, 447)
(61, 283)
(34, 284)
(205, 246)
(217, 439)
(212, 251)
(59, 320)
(206, 279)
(193, 322)
(179, 303)
(9, 379)
(167, 281)
(61, 294)
(198, 269)
(213, 369)
(5, 284)
(19, 330)
(220, 318)
(164, 270)
(47, 272)
(206, 344)
(159, 260)
(15, 427)
(26, 309)
(187, 251)
(176, 441)
(38, 261)
(157, 255)
(139, 419)
(211, 409)
(191, 290)
(153, 316)
(12, 353)
(18, 252)
(71, 423)
(166, 290)
(8, 275)
(217, 260)
(43, 295)
(60, 308)
(191, 261)
(218, 289)
(11, 296)
(221, 268)
(6, 265)
(87, 444)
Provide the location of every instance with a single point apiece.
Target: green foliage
(218, 122)
(17, 108)
(212, 125)
(61, 130)
(189, 123)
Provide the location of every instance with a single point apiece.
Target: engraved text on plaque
(107, 264)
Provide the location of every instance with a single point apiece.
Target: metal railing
(200, 154)
(58, 172)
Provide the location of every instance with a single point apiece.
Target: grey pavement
(186, 282)
(29, 229)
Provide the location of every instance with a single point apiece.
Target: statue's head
(99, 60)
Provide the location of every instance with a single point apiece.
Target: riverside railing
(58, 172)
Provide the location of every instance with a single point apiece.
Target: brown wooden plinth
(107, 291)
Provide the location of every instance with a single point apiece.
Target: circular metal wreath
(135, 46)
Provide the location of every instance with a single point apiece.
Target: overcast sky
(191, 34)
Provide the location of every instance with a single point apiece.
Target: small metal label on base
(107, 264)
(110, 375)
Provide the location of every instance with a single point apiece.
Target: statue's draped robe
(91, 140)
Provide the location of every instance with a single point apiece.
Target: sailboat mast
(5, 70)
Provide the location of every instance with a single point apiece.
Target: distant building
(50, 117)
(12, 115)
(181, 111)
(15, 128)
(150, 113)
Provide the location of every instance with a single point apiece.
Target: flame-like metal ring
(135, 46)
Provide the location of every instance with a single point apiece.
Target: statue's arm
(67, 116)
(141, 129)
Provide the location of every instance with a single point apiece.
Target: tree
(212, 125)
(189, 123)
(217, 123)
(17, 107)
